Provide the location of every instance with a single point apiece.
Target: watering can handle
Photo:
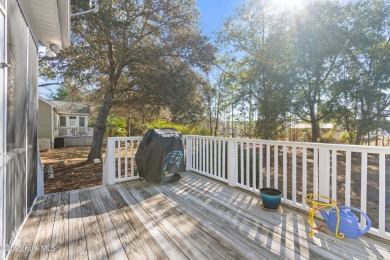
(368, 221)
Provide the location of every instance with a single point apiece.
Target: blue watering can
(349, 222)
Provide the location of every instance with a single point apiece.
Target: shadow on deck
(196, 218)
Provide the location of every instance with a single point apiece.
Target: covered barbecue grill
(160, 155)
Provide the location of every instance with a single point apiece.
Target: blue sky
(214, 12)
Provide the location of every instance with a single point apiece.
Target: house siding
(45, 120)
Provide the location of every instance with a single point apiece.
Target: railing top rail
(124, 138)
(346, 147)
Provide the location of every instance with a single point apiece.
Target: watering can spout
(368, 223)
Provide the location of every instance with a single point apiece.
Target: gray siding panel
(44, 120)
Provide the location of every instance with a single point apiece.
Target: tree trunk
(359, 136)
(217, 116)
(100, 127)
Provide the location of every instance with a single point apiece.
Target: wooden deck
(195, 218)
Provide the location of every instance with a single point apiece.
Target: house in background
(64, 123)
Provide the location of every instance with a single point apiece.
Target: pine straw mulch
(71, 170)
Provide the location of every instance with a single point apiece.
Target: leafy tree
(69, 92)
(260, 41)
(318, 43)
(365, 78)
(127, 41)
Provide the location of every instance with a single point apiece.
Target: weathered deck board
(77, 239)
(147, 242)
(27, 235)
(113, 245)
(94, 238)
(166, 244)
(208, 241)
(60, 239)
(195, 218)
(179, 239)
(44, 233)
(126, 234)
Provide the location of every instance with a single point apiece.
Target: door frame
(3, 125)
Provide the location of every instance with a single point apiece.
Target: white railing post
(109, 163)
(232, 158)
(324, 172)
(188, 153)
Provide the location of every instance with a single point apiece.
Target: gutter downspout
(95, 8)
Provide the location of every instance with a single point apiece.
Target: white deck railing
(353, 175)
(75, 131)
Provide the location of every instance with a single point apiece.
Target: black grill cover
(160, 152)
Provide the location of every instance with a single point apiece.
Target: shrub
(116, 126)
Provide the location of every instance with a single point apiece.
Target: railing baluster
(348, 179)
(247, 165)
(219, 159)
(119, 160)
(304, 174)
(208, 170)
(334, 174)
(196, 154)
(254, 166)
(204, 155)
(232, 163)
(276, 166)
(215, 158)
(363, 191)
(294, 174)
(315, 170)
(382, 194)
(132, 158)
(284, 172)
(324, 175)
(126, 160)
(260, 166)
(224, 159)
(242, 163)
(268, 166)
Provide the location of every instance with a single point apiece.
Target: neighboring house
(65, 120)
(301, 131)
(24, 25)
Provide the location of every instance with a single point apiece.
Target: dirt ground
(71, 171)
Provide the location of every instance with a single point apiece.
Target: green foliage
(329, 137)
(91, 122)
(347, 138)
(67, 92)
(116, 126)
(183, 129)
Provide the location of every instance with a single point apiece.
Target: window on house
(82, 121)
(62, 120)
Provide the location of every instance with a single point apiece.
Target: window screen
(82, 121)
